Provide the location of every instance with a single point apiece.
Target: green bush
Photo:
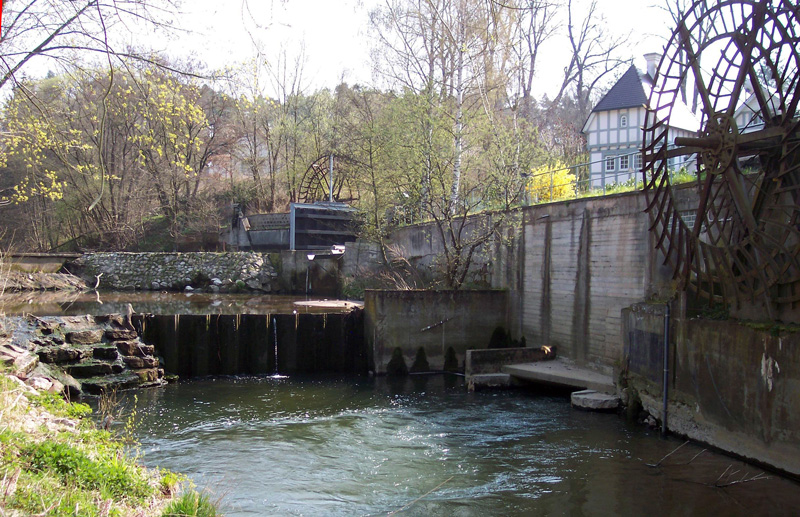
(191, 504)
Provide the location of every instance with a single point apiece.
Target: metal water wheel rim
(744, 244)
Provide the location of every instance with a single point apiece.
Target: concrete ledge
(488, 380)
(560, 373)
(40, 262)
(594, 401)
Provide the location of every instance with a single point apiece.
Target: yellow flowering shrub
(551, 182)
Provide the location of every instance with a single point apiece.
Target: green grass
(55, 404)
(191, 504)
(111, 475)
(54, 461)
(681, 176)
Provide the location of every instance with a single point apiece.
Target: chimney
(748, 86)
(652, 63)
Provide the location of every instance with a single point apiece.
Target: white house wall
(607, 138)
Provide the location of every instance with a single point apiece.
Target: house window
(611, 162)
(637, 161)
(624, 164)
(623, 121)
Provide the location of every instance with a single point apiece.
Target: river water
(424, 446)
(73, 303)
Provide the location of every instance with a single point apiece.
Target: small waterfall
(275, 374)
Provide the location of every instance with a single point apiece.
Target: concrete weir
(257, 344)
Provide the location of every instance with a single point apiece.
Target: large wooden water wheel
(316, 182)
(740, 246)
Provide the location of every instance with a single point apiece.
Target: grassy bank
(55, 461)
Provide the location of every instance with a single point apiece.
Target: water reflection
(311, 446)
(64, 303)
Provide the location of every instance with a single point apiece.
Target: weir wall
(257, 344)
(430, 321)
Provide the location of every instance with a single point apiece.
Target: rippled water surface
(424, 446)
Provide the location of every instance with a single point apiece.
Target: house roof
(628, 92)
(633, 90)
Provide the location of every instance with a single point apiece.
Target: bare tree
(594, 56)
(533, 23)
(445, 51)
(409, 57)
(58, 29)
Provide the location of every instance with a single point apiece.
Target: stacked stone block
(92, 354)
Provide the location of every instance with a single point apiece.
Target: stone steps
(592, 400)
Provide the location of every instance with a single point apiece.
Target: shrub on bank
(191, 504)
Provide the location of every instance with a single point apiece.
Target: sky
(334, 34)
(336, 41)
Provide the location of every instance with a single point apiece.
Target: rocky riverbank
(14, 281)
(78, 355)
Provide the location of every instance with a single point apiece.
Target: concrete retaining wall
(318, 277)
(584, 261)
(569, 269)
(734, 386)
(433, 321)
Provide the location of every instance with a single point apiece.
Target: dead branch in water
(667, 456)
(744, 479)
(429, 492)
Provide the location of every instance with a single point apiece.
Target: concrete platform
(330, 304)
(560, 373)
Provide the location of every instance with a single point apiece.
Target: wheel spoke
(694, 63)
(759, 13)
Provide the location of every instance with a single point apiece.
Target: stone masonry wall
(215, 272)
(78, 355)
